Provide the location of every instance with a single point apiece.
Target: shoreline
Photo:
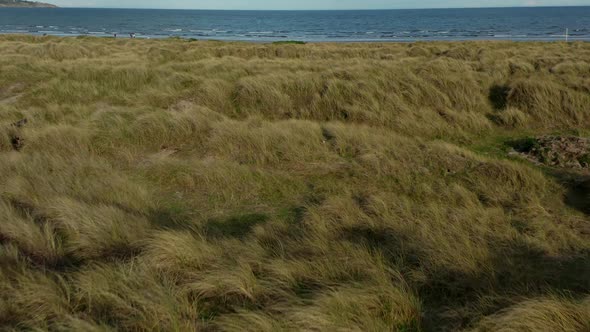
(293, 41)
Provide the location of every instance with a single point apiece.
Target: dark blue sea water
(547, 23)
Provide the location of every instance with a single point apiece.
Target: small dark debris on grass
(17, 143)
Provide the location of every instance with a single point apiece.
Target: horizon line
(344, 9)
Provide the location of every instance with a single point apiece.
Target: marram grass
(173, 185)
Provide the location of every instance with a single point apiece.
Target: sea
(520, 24)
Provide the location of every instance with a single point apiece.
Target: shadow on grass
(172, 214)
(236, 227)
(525, 144)
(498, 96)
(577, 185)
(392, 246)
(168, 219)
(515, 269)
(578, 196)
(450, 297)
(176, 216)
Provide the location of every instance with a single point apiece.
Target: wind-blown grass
(163, 185)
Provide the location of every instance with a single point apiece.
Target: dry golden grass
(170, 185)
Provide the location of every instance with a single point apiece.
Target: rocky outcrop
(25, 4)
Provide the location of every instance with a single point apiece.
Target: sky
(311, 4)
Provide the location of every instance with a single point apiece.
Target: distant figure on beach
(132, 35)
(114, 35)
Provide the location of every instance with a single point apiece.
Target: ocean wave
(322, 26)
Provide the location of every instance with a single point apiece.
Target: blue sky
(312, 4)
